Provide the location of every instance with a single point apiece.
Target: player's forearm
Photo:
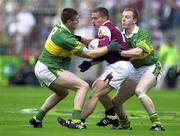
(136, 52)
(91, 54)
(86, 40)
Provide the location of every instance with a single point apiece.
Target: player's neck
(129, 30)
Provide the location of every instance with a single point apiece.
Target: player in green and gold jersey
(52, 67)
(146, 72)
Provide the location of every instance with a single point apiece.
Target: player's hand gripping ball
(93, 44)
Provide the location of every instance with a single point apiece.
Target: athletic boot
(71, 124)
(157, 127)
(108, 120)
(122, 127)
(35, 123)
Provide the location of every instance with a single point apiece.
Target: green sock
(40, 115)
(154, 118)
(124, 122)
(76, 115)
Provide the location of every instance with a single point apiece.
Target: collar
(106, 22)
(135, 30)
(63, 26)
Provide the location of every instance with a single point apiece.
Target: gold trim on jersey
(148, 48)
(56, 50)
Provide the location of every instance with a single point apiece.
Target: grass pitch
(19, 104)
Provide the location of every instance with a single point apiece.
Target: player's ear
(105, 18)
(69, 22)
(135, 20)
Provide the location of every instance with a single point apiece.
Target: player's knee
(140, 93)
(85, 86)
(62, 94)
(95, 94)
(65, 94)
(94, 97)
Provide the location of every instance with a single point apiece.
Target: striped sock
(124, 122)
(154, 118)
(40, 115)
(76, 115)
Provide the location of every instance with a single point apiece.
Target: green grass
(14, 116)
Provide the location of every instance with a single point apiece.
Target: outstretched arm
(136, 52)
(97, 52)
(83, 40)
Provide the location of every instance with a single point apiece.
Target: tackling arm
(83, 40)
(86, 40)
(136, 52)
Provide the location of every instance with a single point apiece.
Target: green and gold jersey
(141, 38)
(60, 45)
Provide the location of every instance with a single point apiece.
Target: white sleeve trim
(104, 31)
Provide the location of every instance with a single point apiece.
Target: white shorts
(137, 73)
(43, 74)
(117, 73)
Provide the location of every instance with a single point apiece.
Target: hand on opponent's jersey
(114, 46)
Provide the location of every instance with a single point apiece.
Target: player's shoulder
(110, 25)
(107, 25)
(103, 28)
(104, 31)
(143, 30)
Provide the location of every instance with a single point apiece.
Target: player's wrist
(78, 37)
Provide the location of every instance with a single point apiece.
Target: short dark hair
(103, 11)
(68, 14)
(135, 12)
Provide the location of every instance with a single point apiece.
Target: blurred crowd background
(25, 25)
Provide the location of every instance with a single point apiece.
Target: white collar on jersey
(62, 25)
(135, 30)
(105, 22)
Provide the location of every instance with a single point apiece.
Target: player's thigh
(69, 80)
(146, 77)
(145, 83)
(116, 74)
(60, 91)
(44, 75)
(126, 91)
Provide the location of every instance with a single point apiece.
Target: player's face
(127, 20)
(97, 20)
(74, 23)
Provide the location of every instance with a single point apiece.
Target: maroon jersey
(106, 33)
